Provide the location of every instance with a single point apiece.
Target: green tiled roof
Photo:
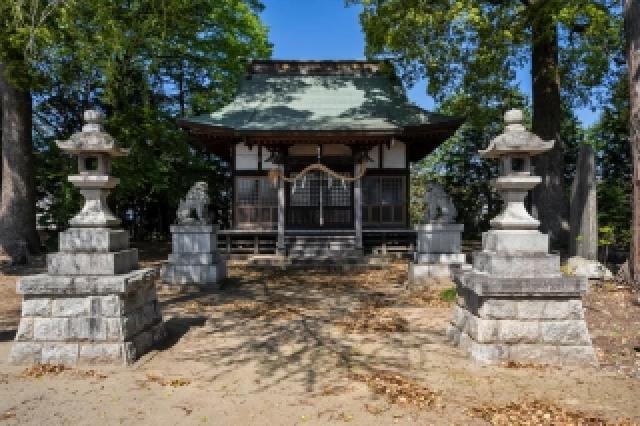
(366, 102)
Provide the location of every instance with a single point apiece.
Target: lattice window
(256, 202)
(304, 192)
(392, 191)
(247, 190)
(336, 193)
(305, 199)
(370, 190)
(384, 200)
(268, 192)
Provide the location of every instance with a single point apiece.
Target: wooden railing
(244, 242)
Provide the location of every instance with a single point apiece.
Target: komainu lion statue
(195, 206)
(438, 205)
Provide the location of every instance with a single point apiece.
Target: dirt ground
(311, 347)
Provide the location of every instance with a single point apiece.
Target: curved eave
(421, 140)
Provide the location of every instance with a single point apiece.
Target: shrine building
(320, 154)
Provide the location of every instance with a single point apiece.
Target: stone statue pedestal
(93, 305)
(515, 304)
(437, 252)
(194, 261)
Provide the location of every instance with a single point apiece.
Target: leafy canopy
(143, 62)
(475, 47)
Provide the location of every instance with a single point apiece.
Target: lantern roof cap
(515, 139)
(92, 138)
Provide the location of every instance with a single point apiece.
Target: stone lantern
(93, 305)
(94, 149)
(514, 230)
(515, 304)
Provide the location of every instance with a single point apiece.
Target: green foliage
(573, 136)
(448, 294)
(470, 51)
(614, 209)
(26, 29)
(201, 45)
(143, 62)
(458, 168)
(606, 236)
(59, 200)
(610, 136)
(473, 47)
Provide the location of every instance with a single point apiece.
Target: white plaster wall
(394, 157)
(266, 165)
(374, 154)
(246, 159)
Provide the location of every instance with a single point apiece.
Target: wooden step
(325, 260)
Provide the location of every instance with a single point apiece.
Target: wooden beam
(280, 243)
(357, 206)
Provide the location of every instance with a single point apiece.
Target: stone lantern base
(518, 307)
(91, 307)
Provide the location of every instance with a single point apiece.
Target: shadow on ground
(7, 335)
(304, 325)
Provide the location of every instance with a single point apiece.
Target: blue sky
(326, 29)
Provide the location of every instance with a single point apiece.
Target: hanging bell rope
(275, 174)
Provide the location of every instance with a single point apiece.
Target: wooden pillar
(280, 243)
(357, 205)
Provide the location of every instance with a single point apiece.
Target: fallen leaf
(536, 412)
(375, 410)
(399, 389)
(39, 370)
(372, 319)
(8, 414)
(345, 417)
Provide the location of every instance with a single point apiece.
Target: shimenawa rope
(275, 174)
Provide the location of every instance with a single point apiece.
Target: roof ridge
(318, 67)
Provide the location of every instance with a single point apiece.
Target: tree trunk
(632, 33)
(549, 198)
(18, 211)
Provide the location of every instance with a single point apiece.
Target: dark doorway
(320, 201)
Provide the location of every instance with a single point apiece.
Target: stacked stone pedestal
(437, 252)
(194, 261)
(515, 305)
(92, 306)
